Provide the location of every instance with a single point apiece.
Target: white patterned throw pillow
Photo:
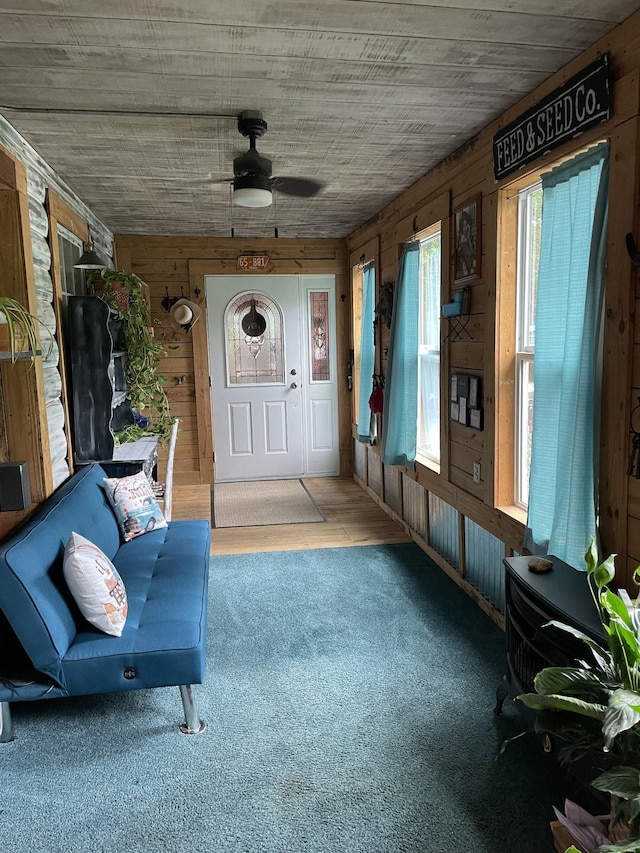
(95, 585)
(134, 504)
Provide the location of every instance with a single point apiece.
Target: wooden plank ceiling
(134, 102)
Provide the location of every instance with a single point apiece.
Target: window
(72, 280)
(428, 438)
(365, 350)
(561, 513)
(318, 320)
(528, 258)
(70, 249)
(254, 341)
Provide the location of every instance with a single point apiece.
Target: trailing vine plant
(145, 387)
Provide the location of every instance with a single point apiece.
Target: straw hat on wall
(183, 314)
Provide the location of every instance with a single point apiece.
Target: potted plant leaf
(594, 706)
(19, 330)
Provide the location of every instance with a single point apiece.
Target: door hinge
(209, 382)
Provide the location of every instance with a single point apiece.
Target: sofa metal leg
(6, 723)
(193, 725)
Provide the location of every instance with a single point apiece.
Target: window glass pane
(529, 230)
(528, 258)
(428, 437)
(430, 280)
(69, 249)
(255, 351)
(534, 219)
(319, 328)
(525, 429)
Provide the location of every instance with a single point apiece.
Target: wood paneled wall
(177, 266)
(22, 395)
(489, 351)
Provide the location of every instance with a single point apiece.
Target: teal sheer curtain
(400, 413)
(566, 411)
(366, 419)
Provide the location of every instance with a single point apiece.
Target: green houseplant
(124, 293)
(594, 707)
(19, 329)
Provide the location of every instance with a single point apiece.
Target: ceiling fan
(253, 185)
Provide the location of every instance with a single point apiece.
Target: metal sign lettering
(580, 103)
(252, 262)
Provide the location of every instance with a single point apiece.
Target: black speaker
(15, 492)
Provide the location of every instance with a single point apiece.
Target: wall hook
(632, 249)
(633, 467)
(168, 301)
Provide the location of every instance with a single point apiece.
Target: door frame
(198, 269)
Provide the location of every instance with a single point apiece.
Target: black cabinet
(99, 393)
(531, 601)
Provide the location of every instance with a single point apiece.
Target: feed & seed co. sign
(580, 103)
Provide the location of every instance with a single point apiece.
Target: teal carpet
(349, 702)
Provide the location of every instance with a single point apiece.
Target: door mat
(263, 503)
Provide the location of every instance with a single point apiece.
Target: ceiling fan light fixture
(252, 191)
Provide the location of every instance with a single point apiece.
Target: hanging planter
(117, 290)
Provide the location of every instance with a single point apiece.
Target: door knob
(294, 385)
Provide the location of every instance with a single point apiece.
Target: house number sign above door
(251, 263)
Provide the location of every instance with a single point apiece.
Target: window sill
(431, 464)
(514, 512)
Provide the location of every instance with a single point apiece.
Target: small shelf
(458, 314)
(6, 356)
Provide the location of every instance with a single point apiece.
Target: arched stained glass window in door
(254, 340)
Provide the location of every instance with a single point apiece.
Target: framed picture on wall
(467, 228)
(463, 411)
(463, 384)
(476, 419)
(474, 392)
(454, 388)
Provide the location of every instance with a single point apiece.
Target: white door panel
(240, 432)
(321, 425)
(275, 421)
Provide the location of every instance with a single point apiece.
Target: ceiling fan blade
(202, 180)
(301, 187)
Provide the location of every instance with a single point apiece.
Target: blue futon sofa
(50, 651)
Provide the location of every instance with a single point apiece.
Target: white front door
(274, 394)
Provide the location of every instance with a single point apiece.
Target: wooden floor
(353, 518)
